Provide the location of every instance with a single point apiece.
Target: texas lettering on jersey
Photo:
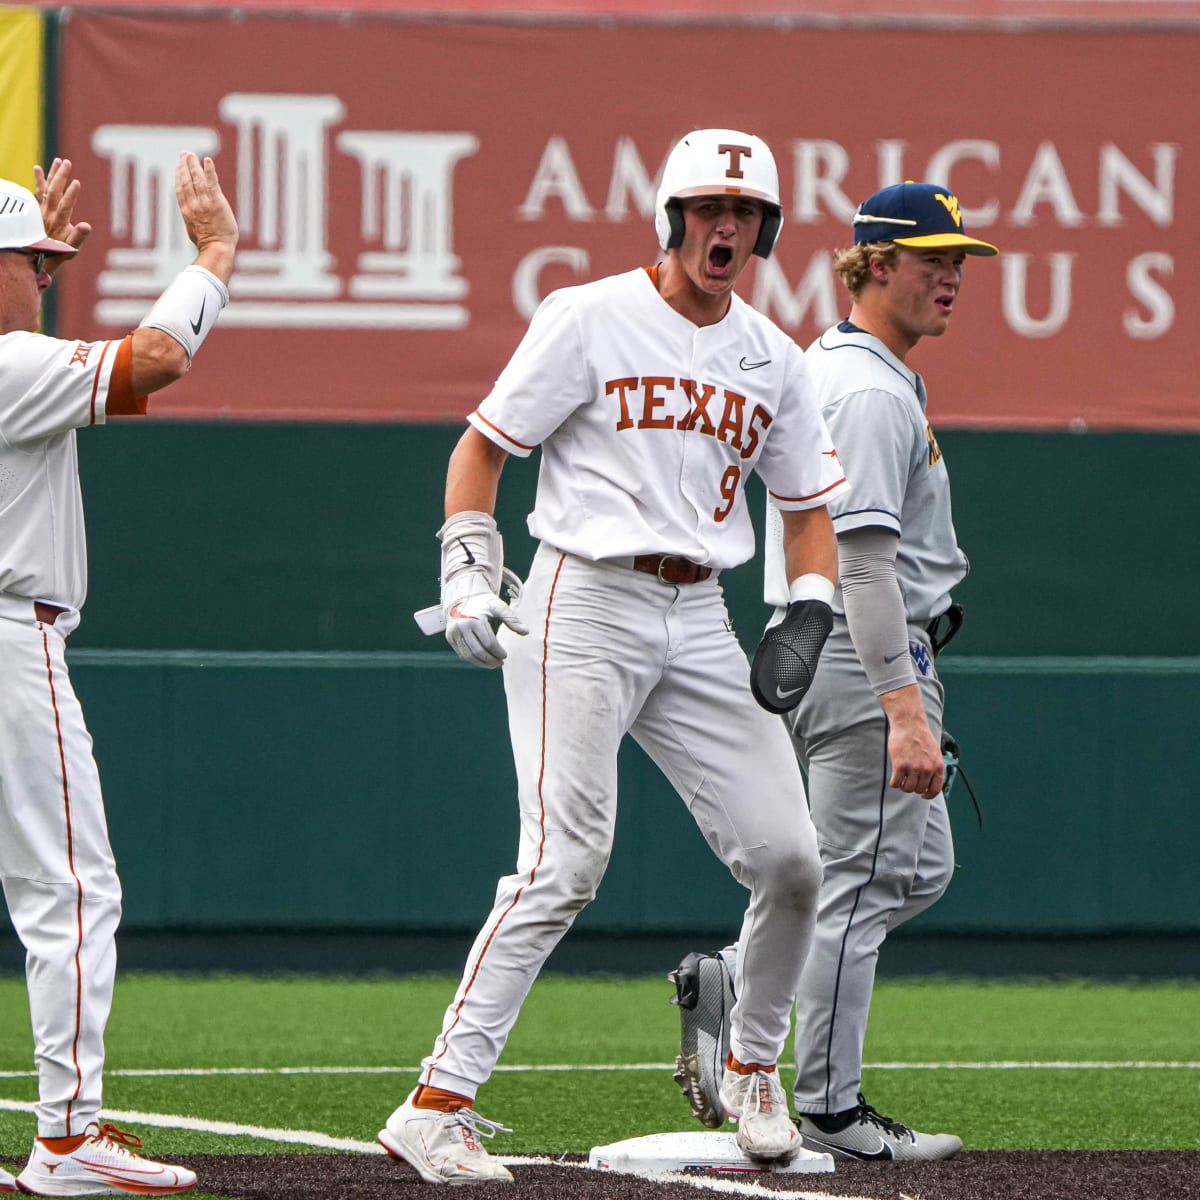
(647, 403)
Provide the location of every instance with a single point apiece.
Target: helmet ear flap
(768, 235)
(669, 223)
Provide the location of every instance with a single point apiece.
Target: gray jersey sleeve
(875, 607)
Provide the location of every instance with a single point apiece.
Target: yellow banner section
(21, 87)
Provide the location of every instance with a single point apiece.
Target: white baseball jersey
(639, 459)
(649, 426)
(874, 406)
(48, 389)
(60, 880)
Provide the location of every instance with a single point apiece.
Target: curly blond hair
(853, 265)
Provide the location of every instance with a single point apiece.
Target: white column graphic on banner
(143, 206)
(281, 193)
(407, 207)
(406, 275)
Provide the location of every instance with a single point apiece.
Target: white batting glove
(470, 606)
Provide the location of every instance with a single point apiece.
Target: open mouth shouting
(720, 256)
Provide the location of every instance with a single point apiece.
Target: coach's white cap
(21, 226)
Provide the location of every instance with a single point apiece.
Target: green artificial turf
(940, 1054)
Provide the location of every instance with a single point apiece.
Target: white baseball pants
(60, 881)
(612, 651)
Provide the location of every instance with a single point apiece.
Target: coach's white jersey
(649, 424)
(48, 389)
(874, 406)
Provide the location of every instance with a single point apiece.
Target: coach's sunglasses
(36, 257)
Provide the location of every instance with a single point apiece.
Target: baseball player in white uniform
(652, 394)
(869, 731)
(60, 880)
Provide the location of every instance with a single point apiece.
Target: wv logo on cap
(950, 203)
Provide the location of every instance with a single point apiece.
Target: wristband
(189, 307)
(811, 587)
(471, 542)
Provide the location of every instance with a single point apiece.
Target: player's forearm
(473, 474)
(158, 359)
(904, 709)
(218, 256)
(874, 608)
(809, 544)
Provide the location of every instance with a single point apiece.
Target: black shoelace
(867, 1115)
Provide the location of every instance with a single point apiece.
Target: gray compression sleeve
(874, 606)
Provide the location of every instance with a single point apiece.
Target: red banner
(408, 191)
(825, 12)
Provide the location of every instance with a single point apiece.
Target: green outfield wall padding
(321, 537)
(375, 791)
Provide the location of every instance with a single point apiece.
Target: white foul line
(304, 1137)
(295, 1137)
(171, 1072)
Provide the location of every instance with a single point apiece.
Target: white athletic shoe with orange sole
(103, 1164)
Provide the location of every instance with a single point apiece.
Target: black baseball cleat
(862, 1133)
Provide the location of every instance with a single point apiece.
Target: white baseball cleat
(103, 1164)
(757, 1102)
(7, 1182)
(444, 1147)
(862, 1133)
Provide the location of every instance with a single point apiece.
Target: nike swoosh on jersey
(753, 366)
(200, 319)
(891, 658)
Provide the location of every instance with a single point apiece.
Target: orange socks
(62, 1145)
(732, 1064)
(442, 1101)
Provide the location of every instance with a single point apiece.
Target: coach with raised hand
(59, 877)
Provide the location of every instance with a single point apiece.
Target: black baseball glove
(786, 659)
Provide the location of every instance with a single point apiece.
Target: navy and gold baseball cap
(915, 214)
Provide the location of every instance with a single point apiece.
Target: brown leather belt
(47, 613)
(670, 568)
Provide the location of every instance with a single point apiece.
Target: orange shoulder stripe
(122, 402)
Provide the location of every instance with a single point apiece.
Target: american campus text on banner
(404, 208)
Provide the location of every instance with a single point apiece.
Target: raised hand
(57, 192)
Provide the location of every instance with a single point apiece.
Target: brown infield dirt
(974, 1175)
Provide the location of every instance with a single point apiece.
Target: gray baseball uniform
(887, 854)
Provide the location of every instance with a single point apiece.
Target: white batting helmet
(717, 162)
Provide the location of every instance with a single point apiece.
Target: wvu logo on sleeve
(951, 206)
(935, 451)
(920, 656)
